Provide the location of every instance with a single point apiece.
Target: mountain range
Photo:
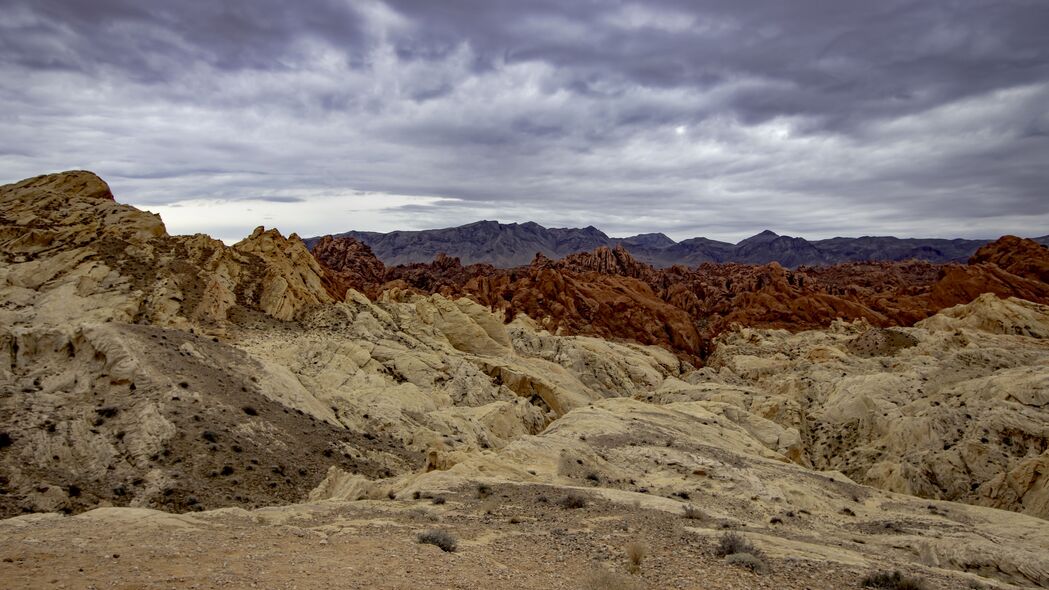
(507, 245)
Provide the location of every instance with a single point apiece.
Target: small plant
(445, 541)
(603, 579)
(693, 513)
(735, 543)
(439, 500)
(574, 500)
(748, 561)
(483, 491)
(635, 554)
(892, 581)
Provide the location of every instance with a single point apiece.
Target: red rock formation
(610, 294)
(607, 261)
(445, 275)
(352, 262)
(1021, 257)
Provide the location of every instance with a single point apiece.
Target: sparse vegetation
(735, 543)
(893, 581)
(603, 579)
(738, 551)
(635, 554)
(573, 500)
(484, 490)
(439, 500)
(445, 541)
(693, 513)
(748, 561)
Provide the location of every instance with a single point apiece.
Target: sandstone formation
(610, 294)
(301, 411)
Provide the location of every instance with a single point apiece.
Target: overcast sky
(705, 117)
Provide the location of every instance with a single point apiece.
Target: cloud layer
(716, 118)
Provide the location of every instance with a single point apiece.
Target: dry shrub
(748, 561)
(603, 579)
(441, 539)
(735, 543)
(893, 581)
(693, 513)
(574, 500)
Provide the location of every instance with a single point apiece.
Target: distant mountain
(515, 244)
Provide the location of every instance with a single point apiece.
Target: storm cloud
(716, 118)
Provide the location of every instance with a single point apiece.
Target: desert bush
(635, 554)
(893, 581)
(693, 513)
(748, 561)
(484, 490)
(574, 500)
(735, 543)
(603, 579)
(441, 539)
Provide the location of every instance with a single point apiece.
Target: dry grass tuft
(635, 554)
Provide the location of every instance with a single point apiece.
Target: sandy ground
(517, 537)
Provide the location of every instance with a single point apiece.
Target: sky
(714, 118)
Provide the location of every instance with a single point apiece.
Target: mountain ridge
(507, 245)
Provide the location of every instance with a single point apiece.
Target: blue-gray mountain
(507, 245)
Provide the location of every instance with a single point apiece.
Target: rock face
(509, 245)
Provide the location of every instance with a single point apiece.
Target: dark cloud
(689, 117)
